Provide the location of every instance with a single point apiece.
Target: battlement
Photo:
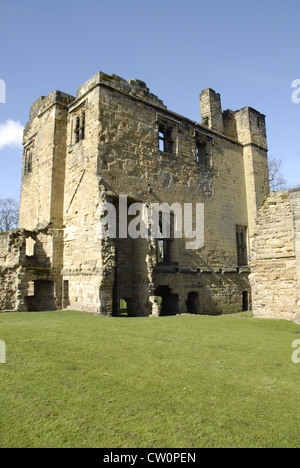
(246, 125)
(135, 87)
(45, 102)
(251, 127)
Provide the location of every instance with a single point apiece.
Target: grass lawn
(77, 380)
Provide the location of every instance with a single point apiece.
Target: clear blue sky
(246, 50)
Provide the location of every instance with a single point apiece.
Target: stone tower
(116, 139)
(251, 131)
(43, 174)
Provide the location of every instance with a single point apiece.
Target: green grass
(77, 380)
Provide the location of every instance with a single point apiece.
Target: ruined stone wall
(12, 257)
(130, 163)
(80, 152)
(4, 242)
(30, 261)
(82, 259)
(8, 275)
(8, 285)
(218, 291)
(251, 132)
(275, 258)
(43, 169)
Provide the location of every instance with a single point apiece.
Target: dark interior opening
(43, 298)
(193, 306)
(169, 301)
(245, 301)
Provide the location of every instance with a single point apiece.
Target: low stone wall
(275, 259)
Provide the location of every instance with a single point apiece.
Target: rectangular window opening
(79, 131)
(241, 240)
(28, 161)
(202, 155)
(65, 294)
(164, 244)
(165, 139)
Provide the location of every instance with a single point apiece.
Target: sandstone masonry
(275, 258)
(117, 138)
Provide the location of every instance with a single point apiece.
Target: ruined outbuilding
(117, 138)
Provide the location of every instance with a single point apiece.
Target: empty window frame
(66, 290)
(164, 244)
(203, 158)
(79, 131)
(164, 251)
(30, 244)
(165, 138)
(241, 241)
(28, 160)
(65, 294)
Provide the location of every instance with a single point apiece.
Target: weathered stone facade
(116, 138)
(28, 258)
(275, 258)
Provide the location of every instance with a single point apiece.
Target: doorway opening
(169, 301)
(43, 296)
(193, 306)
(123, 308)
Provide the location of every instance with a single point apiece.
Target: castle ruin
(116, 138)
